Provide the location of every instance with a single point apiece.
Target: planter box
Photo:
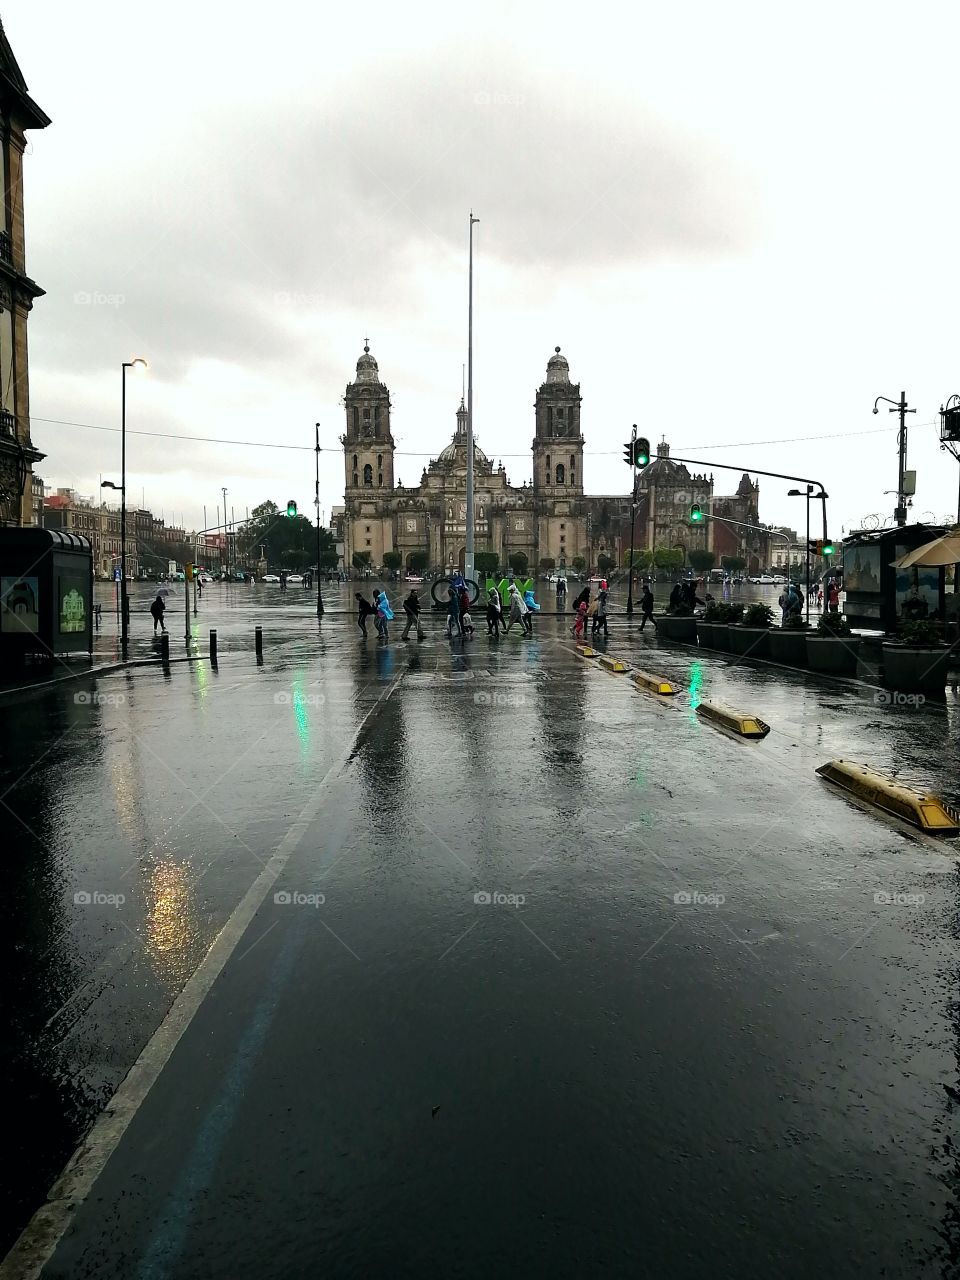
(683, 630)
(789, 646)
(749, 642)
(705, 632)
(909, 669)
(721, 636)
(834, 655)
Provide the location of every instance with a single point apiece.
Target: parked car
(414, 578)
(271, 577)
(765, 579)
(295, 578)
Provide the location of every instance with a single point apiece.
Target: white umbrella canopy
(941, 551)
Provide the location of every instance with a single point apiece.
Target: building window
(367, 529)
(368, 542)
(549, 468)
(368, 475)
(560, 476)
(562, 525)
(563, 538)
(366, 415)
(356, 419)
(356, 479)
(356, 462)
(560, 414)
(573, 461)
(379, 461)
(380, 481)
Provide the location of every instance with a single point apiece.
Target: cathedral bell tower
(558, 444)
(367, 443)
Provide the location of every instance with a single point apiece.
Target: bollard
(164, 647)
(213, 645)
(258, 638)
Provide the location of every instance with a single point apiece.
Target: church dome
(367, 370)
(456, 450)
(558, 370)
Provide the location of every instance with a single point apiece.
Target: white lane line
(38, 1240)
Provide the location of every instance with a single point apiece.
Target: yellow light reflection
(171, 924)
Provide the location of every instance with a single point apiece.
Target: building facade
(18, 455)
(545, 520)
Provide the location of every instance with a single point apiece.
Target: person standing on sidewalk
(156, 609)
(600, 619)
(561, 595)
(518, 610)
(494, 613)
(384, 614)
(364, 610)
(453, 612)
(646, 607)
(411, 607)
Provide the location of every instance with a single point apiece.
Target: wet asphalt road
(698, 1045)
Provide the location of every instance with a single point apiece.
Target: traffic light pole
(317, 500)
(633, 514)
(776, 475)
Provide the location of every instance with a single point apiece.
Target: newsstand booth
(46, 594)
(875, 590)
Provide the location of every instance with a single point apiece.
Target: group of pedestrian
(791, 601)
(596, 612)
(380, 611)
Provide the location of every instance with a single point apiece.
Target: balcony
(8, 424)
(6, 247)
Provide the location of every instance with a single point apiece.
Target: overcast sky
(738, 221)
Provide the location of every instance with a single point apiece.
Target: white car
(295, 577)
(413, 577)
(271, 577)
(766, 580)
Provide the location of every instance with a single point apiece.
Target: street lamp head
(875, 409)
(794, 493)
(137, 362)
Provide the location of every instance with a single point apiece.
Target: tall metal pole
(124, 606)
(468, 553)
(319, 597)
(809, 490)
(901, 516)
(226, 543)
(633, 515)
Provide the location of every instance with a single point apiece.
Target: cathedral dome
(558, 370)
(367, 370)
(456, 450)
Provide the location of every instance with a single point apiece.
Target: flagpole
(468, 553)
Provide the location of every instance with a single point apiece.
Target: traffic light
(628, 453)
(641, 452)
(696, 515)
(190, 571)
(826, 547)
(291, 508)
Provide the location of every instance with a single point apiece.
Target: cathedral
(547, 519)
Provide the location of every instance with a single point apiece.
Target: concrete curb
(738, 722)
(920, 809)
(104, 669)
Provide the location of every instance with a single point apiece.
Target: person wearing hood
(494, 613)
(411, 607)
(582, 598)
(453, 612)
(518, 610)
(646, 607)
(384, 613)
(600, 617)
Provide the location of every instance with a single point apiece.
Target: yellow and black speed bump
(920, 809)
(585, 651)
(654, 684)
(613, 664)
(745, 726)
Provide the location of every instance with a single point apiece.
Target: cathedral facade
(547, 519)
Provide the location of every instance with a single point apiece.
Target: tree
(418, 561)
(579, 563)
(547, 562)
(702, 561)
(296, 559)
(733, 564)
(518, 563)
(392, 560)
(486, 562)
(642, 559)
(361, 559)
(605, 563)
(668, 557)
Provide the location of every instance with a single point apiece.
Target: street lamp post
(317, 501)
(468, 547)
(799, 493)
(137, 363)
(899, 406)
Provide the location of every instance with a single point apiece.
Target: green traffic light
(695, 512)
(828, 548)
(291, 508)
